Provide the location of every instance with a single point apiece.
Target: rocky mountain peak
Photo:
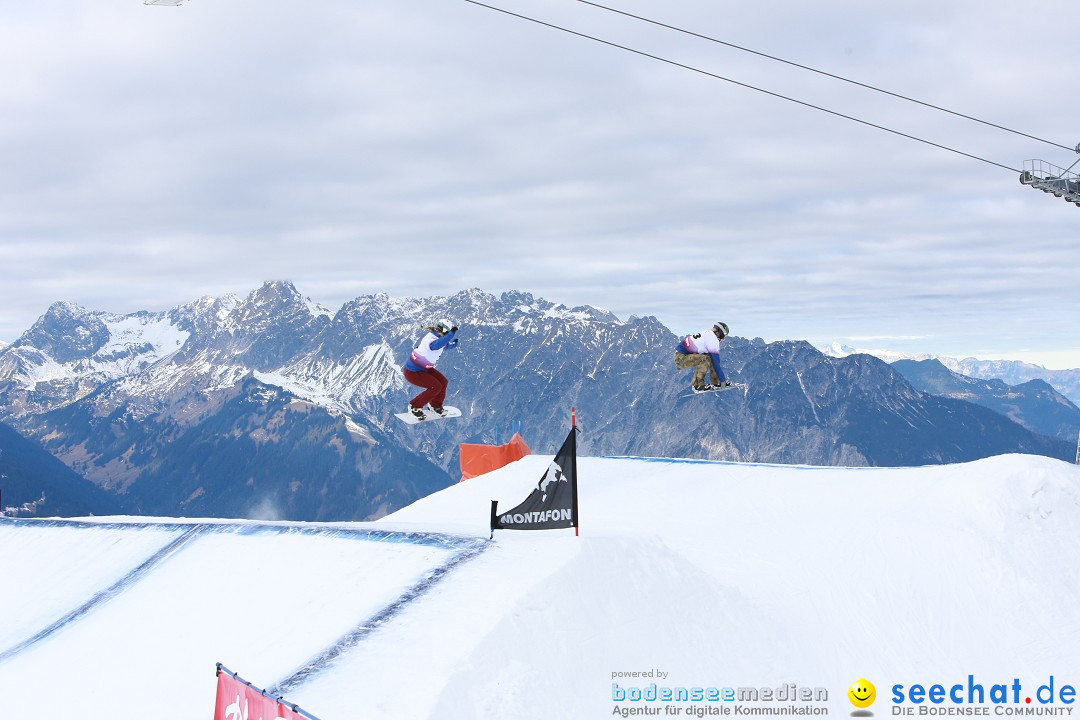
(278, 309)
(272, 296)
(66, 332)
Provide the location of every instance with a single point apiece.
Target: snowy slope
(811, 575)
(247, 595)
(720, 574)
(129, 344)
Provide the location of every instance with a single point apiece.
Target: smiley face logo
(862, 693)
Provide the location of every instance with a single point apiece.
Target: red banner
(238, 701)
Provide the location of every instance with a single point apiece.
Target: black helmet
(720, 329)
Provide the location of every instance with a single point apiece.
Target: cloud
(153, 155)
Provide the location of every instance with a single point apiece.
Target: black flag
(553, 504)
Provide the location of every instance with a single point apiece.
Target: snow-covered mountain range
(1034, 404)
(272, 406)
(1013, 372)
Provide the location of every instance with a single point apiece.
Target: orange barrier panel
(480, 459)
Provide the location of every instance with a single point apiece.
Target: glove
(453, 329)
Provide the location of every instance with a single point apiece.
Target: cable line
(822, 72)
(741, 84)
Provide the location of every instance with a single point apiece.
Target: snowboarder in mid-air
(420, 369)
(702, 352)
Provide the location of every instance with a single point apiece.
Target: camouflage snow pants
(702, 365)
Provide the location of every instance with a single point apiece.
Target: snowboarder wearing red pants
(420, 368)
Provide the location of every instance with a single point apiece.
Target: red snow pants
(434, 382)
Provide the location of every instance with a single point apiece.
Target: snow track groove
(373, 623)
(463, 548)
(105, 595)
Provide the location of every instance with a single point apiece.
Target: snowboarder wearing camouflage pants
(702, 352)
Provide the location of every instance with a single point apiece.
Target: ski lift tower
(1041, 175)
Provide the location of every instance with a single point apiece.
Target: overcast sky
(153, 155)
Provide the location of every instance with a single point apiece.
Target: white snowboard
(409, 419)
(733, 386)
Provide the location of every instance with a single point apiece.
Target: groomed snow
(736, 574)
(46, 569)
(719, 574)
(264, 599)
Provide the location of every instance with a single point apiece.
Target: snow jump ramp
(714, 573)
